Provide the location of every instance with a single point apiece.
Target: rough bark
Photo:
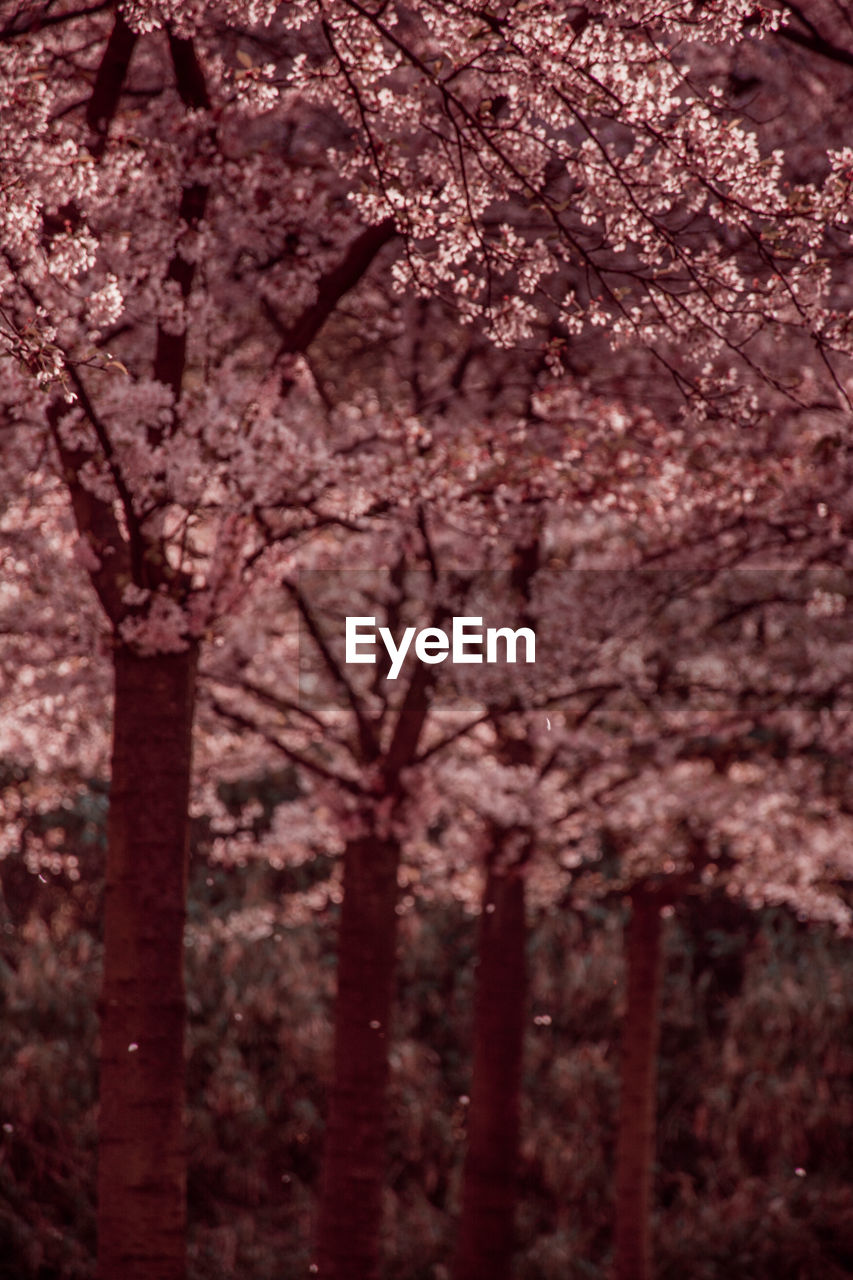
(349, 1221)
(485, 1241)
(142, 1162)
(635, 1146)
(349, 1227)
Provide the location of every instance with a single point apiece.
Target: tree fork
(142, 1158)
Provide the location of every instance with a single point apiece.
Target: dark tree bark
(109, 82)
(142, 1160)
(349, 1227)
(142, 1177)
(486, 1241)
(635, 1145)
(486, 1236)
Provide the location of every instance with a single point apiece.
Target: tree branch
(305, 762)
(366, 737)
(170, 356)
(812, 39)
(298, 336)
(39, 21)
(109, 81)
(96, 524)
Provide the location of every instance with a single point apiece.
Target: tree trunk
(350, 1214)
(142, 1157)
(635, 1146)
(485, 1241)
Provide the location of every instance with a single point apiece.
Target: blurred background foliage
(755, 1150)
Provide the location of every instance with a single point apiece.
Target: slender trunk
(142, 1158)
(486, 1231)
(635, 1146)
(350, 1215)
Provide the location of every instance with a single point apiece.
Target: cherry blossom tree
(174, 239)
(704, 784)
(358, 740)
(140, 479)
(720, 789)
